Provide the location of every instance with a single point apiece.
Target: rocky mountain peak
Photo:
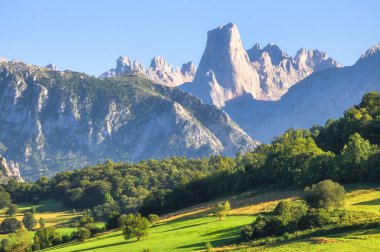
(225, 56)
(126, 66)
(8, 171)
(3, 60)
(51, 66)
(188, 69)
(372, 53)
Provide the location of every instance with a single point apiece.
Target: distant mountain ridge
(320, 96)
(52, 120)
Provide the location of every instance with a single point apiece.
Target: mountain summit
(227, 71)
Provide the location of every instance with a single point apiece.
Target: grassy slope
(54, 213)
(189, 229)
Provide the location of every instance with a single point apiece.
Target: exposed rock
(51, 66)
(320, 96)
(159, 71)
(9, 171)
(47, 116)
(225, 56)
(266, 73)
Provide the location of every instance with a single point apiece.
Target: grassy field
(53, 212)
(189, 229)
(176, 235)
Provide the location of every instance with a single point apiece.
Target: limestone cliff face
(160, 71)
(8, 171)
(227, 71)
(52, 120)
(315, 99)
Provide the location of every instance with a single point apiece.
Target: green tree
(46, 237)
(29, 221)
(5, 199)
(325, 194)
(355, 155)
(33, 209)
(20, 241)
(12, 210)
(82, 234)
(134, 226)
(10, 225)
(222, 209)
(42, 223)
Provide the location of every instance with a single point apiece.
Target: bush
(222, 209)
(12, 210)
(5, 199)
(46, 237)
(113, 221)
(10, 225)
(315, 218)
(86, 220)
(153, 218)
(326, 194)
(29, 221)
(93, 228)
(82, 234)
(5, 245)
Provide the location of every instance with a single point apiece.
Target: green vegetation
(134, 226)
(29, 221)
(325, 194)
(222, 209)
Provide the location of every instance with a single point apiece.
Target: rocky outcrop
(51, 66)
(8, 171)
(265, 73)
(52, 120)
(320, 96)
(159, 71)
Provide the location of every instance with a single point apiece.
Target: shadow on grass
(188, 226)
(214, 243)
(369, 202)
(105, 246)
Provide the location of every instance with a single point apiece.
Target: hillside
(191, 232)
(52, 120)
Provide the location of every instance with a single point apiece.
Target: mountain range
(52, 120)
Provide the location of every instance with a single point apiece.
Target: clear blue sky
(88, 36)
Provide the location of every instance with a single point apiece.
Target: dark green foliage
(12, 210)
(5, 199)
(153, 218)
(315, 218)
(10, 225)
(326, 194)
(33, 209)
(46, 237)
(113, 221)
(42, 223)
(86, 219)
(82, 234)
(29, 221)
(5, 245)
(134, 226)
(93, 228)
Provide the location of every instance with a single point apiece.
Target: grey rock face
(52, 120)
(9, 171)
(265, 73)
(159, 71)
(322, 95)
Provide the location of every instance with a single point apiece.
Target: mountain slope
(314, 100)
(54, 120)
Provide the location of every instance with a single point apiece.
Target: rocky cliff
(8, 171)
(52, 120)
(227, 71)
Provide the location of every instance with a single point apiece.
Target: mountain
(52, 120)
(159, 71)
(227, 71)
(8, 171)
(321, 96)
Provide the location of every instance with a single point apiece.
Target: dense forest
(344, 150)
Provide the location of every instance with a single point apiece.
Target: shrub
(86, 220)
(93, 228)
(10, 225)
(315, 218)
(5, 199)
(113, 221)
(153, 218)
(5, 245)
(29, 221)
(42, 222)
(325, 194)
(46, 237)
(12, 210)
(222, 209)
(82, 234)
